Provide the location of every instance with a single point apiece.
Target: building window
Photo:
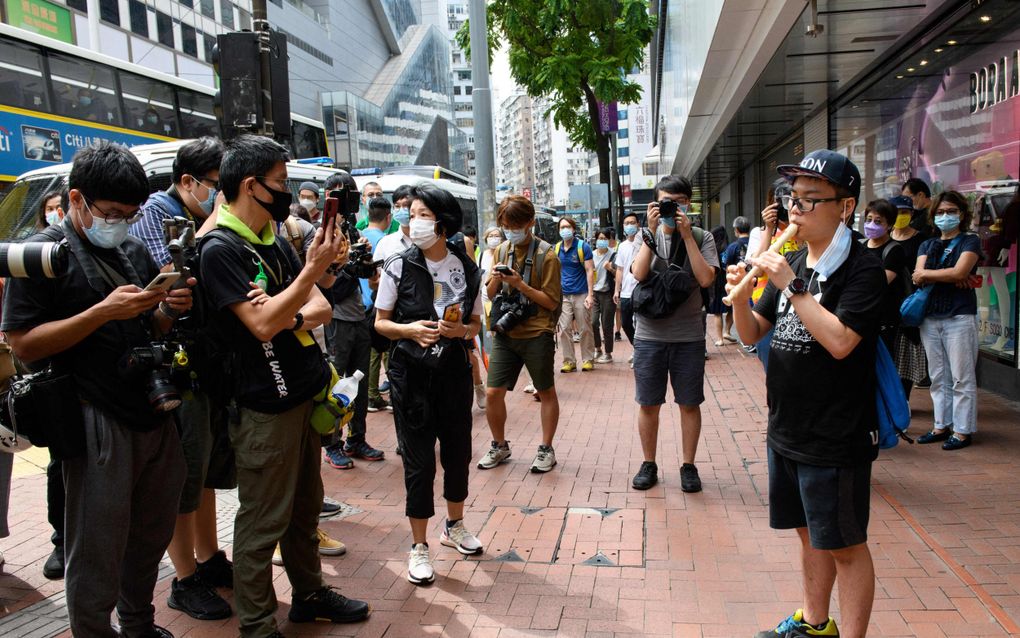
(139, 18)
(188, 3)
(109, 11)
(624, 170)
(621, 115)
(208, 42)
(622, 134)
(467, 90)
(189, 43)
(165, 29)
(80, 5)
(623, 152)
(456, 90)
(227, 14)
(209, 9)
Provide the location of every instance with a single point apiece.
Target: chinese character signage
(42, 17)
(607, 117)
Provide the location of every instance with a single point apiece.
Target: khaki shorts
(509, 355)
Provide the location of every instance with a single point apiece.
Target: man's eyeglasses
(114, 218)
(207, 181)
(806, 204)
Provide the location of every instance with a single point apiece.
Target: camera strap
(529, 261)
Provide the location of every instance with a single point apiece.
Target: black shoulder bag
(662, 293)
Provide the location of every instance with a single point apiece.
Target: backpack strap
(294, 235)
(580, 252)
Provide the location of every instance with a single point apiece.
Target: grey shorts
(207, 454)
(683, 364)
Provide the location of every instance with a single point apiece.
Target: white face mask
(104, 234)
(492, 242)
(309, 204)
(423, 233)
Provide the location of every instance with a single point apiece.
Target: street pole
(260, 24)
(481, 101)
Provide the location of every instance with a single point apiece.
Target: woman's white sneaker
(419, 565)
(457, 537)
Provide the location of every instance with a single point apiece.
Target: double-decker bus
(56, 98)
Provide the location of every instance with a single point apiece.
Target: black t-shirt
(822, 409)
(276, 375)
(94, 361)
(893, 259)
(911, 247)
(946, 300)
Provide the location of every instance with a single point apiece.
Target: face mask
(630, 230)
(104, 234)
(668, 222)
(403, 216)
(85, 100)
(207, 204)
(423, 233)
(873, 230)
(492, 242)
(516, 236)
(566, 233)
(53, 217)
(946, 222)
(902, 220)
(152, 119)
(602, 244)
(279, 207)
(835, 254)
(309, 204)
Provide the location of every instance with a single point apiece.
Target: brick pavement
(578, 552)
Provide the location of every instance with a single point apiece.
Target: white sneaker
(419, 565)
(545, 460)
(497, 454)
(457, 537)
(530, 389)
(277, 556)
(480, 396)
(605, 358)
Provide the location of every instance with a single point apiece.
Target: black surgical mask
(919, 221)
(279, 207)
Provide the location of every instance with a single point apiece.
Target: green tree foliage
(575, 53)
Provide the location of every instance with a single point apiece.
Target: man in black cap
(825, 304)
(308, 197)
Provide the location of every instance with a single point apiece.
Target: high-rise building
(515, 142)
(558, 164)
(463, 109)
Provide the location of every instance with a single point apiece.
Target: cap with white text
(828, 165)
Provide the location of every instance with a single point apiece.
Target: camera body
(781, 211)
(509, 310)
(157, 362)
(667, 208)
(360, 263)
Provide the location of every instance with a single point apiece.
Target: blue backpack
(893, 409)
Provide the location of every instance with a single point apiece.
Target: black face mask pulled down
(279, 207)
(919, 220)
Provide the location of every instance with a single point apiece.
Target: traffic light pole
(260, 24)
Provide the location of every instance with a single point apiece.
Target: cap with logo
(828, 165)
(902, 201)
(309, 186)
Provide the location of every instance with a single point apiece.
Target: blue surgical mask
(152, 119)
(630, 230)
(85, 100)
(104, 234)
(516, 236)
(566, 233)
(207, 204)
(602, 244)
(946, 222)
(403, 216)
(668, 222)
(53, 218)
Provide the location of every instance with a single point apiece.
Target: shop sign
(42, 17)
(995, 83)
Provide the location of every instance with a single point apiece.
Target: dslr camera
(509, 310)
(343, 205)
(157, 362)
(33, 260)
(667, 208)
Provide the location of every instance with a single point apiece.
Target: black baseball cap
(902, 201)
(310, 186)
(828, 165)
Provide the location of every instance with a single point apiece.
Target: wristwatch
(796, 287)
(299, 320)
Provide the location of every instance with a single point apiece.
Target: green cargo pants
(280, 491)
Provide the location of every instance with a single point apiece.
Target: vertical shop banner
(608, 117)
(42, 17)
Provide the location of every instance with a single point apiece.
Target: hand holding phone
(503, 269)
(163, 281)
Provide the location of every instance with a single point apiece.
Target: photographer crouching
(123, 467)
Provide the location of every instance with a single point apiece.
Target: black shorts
(682, 364)
(833, 503)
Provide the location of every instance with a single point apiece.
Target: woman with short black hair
(429, 304)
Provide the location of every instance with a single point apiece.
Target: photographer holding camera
(199, 563)
(672, 346)
(280, 368)
(525, 290)
(124, 480)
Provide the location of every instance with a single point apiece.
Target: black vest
(415, 289)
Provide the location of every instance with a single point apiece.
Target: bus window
(308, 141)
(21, 83)
(197, 118)
(149, 105)
(18, 208)
(84, 89)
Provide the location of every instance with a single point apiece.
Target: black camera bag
(662, 293)
(44, 407)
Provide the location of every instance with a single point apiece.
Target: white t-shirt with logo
(625, 253)
(449, 285)
(391, 244)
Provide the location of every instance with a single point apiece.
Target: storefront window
(948, 112)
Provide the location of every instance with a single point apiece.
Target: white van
(22, 200)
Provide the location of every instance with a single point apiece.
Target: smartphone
(503, 269)
(163, 281)
(330, 209)
(452, 313)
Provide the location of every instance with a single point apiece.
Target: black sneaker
(646, 477)
(198, 600)
(217, 571)
(359, 449)
(329, 508)
(689, 479)
(327, 605)
(154, 632)
(377, 405)
(53, 568)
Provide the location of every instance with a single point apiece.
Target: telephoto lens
(33, 260)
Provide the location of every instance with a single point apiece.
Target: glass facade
(948, 112)
(411, 123)
(403, 14)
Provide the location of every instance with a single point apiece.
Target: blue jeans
(951, 344)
